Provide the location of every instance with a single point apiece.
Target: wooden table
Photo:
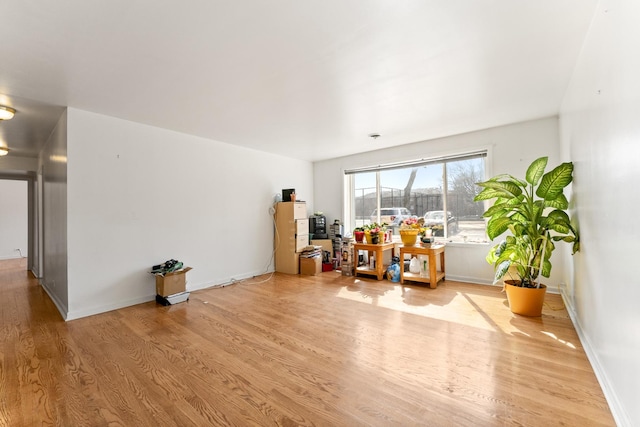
(377, 249)
(435, 275)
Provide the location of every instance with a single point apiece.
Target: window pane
(364, 198)
(419, 191)
(465, 222)
(428, 189)
(395, 201)
(410, 192)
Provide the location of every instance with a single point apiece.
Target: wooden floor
(296, 350)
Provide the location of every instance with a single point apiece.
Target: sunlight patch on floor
(561, 341)
(397, 299)
(469, 309)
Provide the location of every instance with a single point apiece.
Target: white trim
(72, 315)
(221, 283)
(62, 308)
(2, 258)
(348, 208)
(488, 244)
(469, 279)
(420, 162)
(617, 409)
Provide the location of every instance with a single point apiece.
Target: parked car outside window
(435, 221)
(392, 216)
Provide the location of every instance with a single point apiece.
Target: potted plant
(372, 232)
(358, 233)
(410, 228)
(534, 210)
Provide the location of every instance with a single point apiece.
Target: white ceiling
(308, 79)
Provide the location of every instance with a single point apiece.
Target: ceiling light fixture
(4, 151)
(375, 135)
(6, 113)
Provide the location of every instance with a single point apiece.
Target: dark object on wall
(286, 194)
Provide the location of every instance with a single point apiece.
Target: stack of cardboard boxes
(311, 260)
(292, 226)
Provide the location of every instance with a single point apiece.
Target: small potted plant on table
(410, 229)
(373, 232)
(358, 233)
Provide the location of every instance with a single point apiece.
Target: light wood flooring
(324, 350)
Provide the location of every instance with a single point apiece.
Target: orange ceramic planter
(525, 301)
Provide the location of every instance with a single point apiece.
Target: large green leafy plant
(534, 211)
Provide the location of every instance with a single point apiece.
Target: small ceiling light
(4, 151)
(6, 113)
(375, 135)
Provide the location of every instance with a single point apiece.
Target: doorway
(18, 220)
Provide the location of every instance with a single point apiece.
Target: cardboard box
(289, 211)
(311, 266)
(292, 243)
(302, 241)
(302, 226)
(327, 244)
(172, 283)
(287, 262)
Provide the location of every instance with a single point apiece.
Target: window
(426, 188)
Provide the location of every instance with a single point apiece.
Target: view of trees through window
(426, 191)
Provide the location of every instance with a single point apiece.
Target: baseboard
(467, 279)
(140, 300)
(77, 314)
(62, 308)
(221, 283)
(2, 258)
(617, 409)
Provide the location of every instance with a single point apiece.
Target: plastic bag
(414, 266)
(393, 272)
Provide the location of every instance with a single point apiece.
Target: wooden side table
(435, 275)
(378, 250)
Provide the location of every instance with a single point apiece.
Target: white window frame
(349, 182)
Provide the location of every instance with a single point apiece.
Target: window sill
(467, 244)
(397, 240)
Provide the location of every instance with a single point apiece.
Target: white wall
(15, 164)
(600, 131)
(139, 195)
(13, 219)
(54, 207)
(512, 149)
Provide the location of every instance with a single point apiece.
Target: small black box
(286, 194)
